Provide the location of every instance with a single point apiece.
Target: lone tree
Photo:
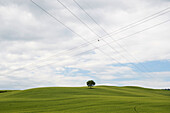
(90, 83)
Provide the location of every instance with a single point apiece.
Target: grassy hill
(101, 99)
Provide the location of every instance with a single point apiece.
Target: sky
(46, 43)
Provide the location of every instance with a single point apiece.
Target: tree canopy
(90, 83)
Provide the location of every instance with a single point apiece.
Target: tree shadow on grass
(91, 88)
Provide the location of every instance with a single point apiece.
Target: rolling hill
(100, 99)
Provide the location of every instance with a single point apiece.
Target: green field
(101, 99)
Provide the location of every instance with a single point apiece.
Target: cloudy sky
(47, 43)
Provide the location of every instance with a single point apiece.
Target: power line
(72, 30)
(93, 41)
(107, 32)
(106, 35)
(98, 35)
(143, 30)
(135, 24)
(106, 44)
(67, 27)
(120, 39)
(140, 21)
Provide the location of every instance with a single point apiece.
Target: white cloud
(158, 84)
(27, 34)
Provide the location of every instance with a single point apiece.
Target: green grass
(101, 99)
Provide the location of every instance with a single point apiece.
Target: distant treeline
(167, 89)
(3, 91)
